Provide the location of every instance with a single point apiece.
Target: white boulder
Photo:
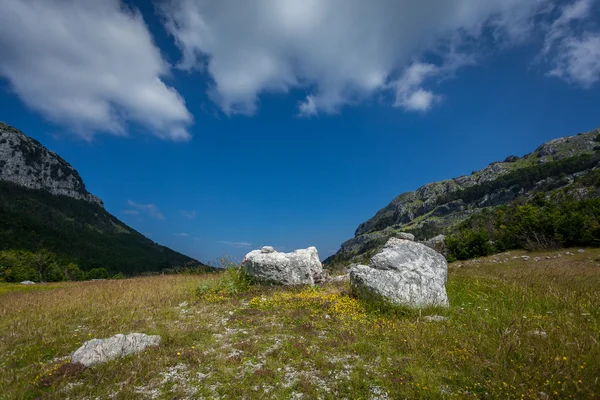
(97, 351)
(301, 267)
(403, 273)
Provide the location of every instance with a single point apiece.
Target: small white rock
(538, 332)
(435, 318)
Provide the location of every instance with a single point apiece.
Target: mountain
(439, 207)
(44, 206)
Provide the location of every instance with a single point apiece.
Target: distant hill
(44, 205)
(568, 164)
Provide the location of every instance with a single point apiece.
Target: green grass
(221, 339)
(18, 287)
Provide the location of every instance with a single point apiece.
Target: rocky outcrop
(98, 351)
(441, 204)
(437, 243)
(405, 236)
(25, 162)
(301, 267)
(403, 273)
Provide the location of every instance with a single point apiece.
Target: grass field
(515, 329)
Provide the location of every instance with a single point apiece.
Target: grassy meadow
(515, 330)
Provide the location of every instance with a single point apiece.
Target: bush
(97, 273)
(72, 272)
(468, 244)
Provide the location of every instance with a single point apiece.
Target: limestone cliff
(25, 162)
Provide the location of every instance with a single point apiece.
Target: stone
(301, 267)
(435, 318)
(27, 283)
(538, 332)
(267, 249)
(437, 243)
(403, 273)
(581, 251)
(98, 351)
(525, 258)
(405, 236)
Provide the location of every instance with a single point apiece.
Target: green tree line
(535, 224)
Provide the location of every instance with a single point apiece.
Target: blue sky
(219, 127)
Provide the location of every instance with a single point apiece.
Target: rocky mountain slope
(27, 163)
(44, 206)
(437, 207)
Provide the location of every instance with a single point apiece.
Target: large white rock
(404, 273)
(301, 267)
(97, 351)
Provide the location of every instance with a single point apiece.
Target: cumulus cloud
(343, 51)
(149, 209)
(89, 65)
(574, 51)
(236, 244)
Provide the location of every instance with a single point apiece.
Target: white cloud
(340, 51)
(182, 234)
(236, 244)
(574, 52)
(579, 61)
(562, 26)
(150, 209)
(89, 65)
(189, 214)
(409, 93)
(420, 100)
(308, 107)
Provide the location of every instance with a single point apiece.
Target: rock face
(437, 243)
(97, 351)
(405, 236)
(301, 267)
(25, 162)
(436, 206)
(403, 273)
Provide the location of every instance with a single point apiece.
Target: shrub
(468, 244)
(72, 272)
(97, 273)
